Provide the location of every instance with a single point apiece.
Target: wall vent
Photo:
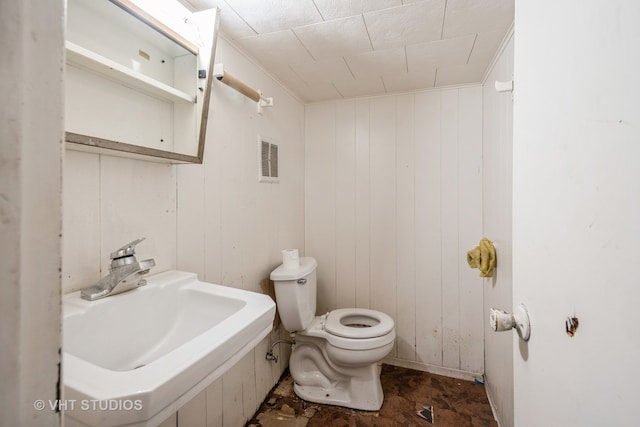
(268, 161)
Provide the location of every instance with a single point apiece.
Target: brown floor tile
(456, 403)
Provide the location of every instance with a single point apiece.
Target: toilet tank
(296, 294)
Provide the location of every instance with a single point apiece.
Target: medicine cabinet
(137, 85)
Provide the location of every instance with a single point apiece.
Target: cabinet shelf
(86, 59)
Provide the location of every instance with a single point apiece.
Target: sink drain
(139, 366)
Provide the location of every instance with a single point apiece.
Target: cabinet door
(135, 85)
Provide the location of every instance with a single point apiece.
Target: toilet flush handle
(302, 281)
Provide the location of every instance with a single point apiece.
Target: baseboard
(491, 402)
(433, 369)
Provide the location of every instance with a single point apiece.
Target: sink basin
(136, 357)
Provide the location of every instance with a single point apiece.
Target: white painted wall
(231, 228)
(393, 202)
(497, 168)
(31, 42)
(214, 219)
(576, 187)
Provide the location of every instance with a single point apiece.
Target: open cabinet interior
(135, 84)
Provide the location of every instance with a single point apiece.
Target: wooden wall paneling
(405, 226)
(151, 188)
(392, 232)
(470, 228)
(264, 381)
(214, 404)
(214, 173)
(191, 241)
(429, 332)
(233, 211)
(194, 412)
(81, 219)
(362, 202)
(171, 421)
(449, 229)
(345, 191)
(250, 399)
(259, 223)
(284, 352)
(382, 156)
(233, 415)
(320, 199)
(245, 386)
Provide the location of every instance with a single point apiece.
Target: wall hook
(504, 86)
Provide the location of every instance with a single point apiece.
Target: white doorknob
(501, 320)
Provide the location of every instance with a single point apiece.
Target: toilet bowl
(335, 357)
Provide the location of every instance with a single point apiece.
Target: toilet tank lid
(307, 265)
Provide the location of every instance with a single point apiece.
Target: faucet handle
(127, 250)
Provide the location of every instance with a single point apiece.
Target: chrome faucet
(125, 273)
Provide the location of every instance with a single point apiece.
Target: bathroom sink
(136, 357)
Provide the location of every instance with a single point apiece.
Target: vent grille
(265, 159)
(273, 160)
(268, 161)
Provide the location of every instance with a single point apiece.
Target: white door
(576, 211)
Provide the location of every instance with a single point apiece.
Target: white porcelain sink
(146, 352)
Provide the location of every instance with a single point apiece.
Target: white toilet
(335, 356)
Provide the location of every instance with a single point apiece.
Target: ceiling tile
(408, 24)
(473, 16)
(361, 87)
(460, 74)
(230, 23)
(377, 63)
(410, 81)
(266, 16)
(327, 49)
(341, 37)
(279, 47)
(439, 53)
(334, 9)
(323, 71)
(486, 46)
(286, 75)
(321, 92)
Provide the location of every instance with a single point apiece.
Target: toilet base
(362, 392)
(343, 376)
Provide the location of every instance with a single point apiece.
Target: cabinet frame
(85, 59)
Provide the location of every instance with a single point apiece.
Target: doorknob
(501, 320)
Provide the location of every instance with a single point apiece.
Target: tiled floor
(455, 403)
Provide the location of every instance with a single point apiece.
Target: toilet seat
(380, 334)
(358, 323)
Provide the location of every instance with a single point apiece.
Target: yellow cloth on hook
(483, 257)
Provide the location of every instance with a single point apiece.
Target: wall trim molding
(498, 55)
(434, 369)
(395, 94)
(494, 409)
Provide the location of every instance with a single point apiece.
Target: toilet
(335, 357)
